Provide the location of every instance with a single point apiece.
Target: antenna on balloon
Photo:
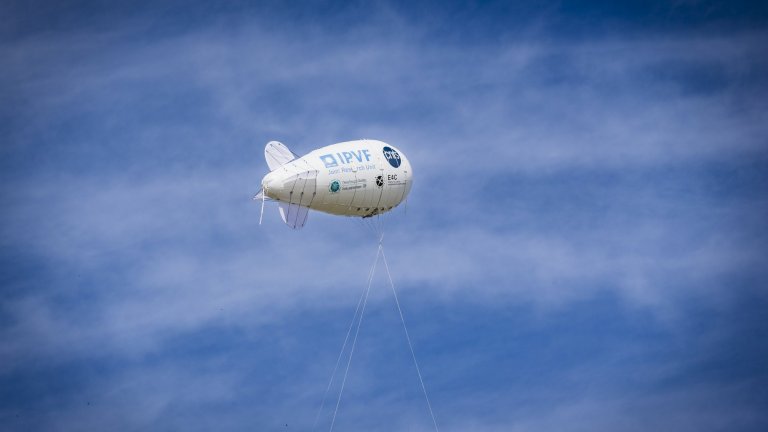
(263, 200)
(263, 197)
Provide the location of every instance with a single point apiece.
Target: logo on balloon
(329, 161)
(392, 156)
(335, 186)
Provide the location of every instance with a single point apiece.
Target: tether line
(408, 338)
(343, 346)
(354, 339)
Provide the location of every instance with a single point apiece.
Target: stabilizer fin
(294, 215)
(277, 154)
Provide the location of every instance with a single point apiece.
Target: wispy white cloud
(131, 163)
(525, 105)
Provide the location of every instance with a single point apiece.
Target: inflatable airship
(360, 178)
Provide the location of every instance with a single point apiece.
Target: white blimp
(359, 178)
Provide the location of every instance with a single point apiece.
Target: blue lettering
(344, 158)
(358, 155)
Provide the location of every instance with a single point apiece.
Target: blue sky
(584, 248)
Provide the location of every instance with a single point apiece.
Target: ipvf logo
(392, 156)
(331, 160)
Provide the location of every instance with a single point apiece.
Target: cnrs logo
(392, 156)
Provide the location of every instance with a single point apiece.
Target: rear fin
(294, 215)
(259, 196)
(277, 154)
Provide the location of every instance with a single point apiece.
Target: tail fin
(295, 216)
(293, 213)
(277, 154)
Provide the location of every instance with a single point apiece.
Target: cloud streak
(553, 176)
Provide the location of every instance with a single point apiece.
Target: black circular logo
(393, 157)
(379, 181)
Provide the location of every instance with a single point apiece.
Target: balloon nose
(272, 184)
